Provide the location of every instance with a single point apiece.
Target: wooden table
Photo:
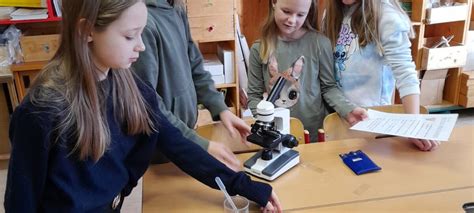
(321, 180)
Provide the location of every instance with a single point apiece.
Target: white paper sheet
(422, 126)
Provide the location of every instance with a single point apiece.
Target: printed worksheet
(422, 126)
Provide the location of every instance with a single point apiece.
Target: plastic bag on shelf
(4, 57)
(12, 37)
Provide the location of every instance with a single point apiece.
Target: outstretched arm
(200, 165)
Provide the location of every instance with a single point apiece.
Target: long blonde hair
(70, 82)
(268, 40)
(364, 21)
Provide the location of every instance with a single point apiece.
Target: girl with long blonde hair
(371, 41)
(87, 129)
(291, 48)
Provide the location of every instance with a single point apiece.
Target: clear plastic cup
(241, 203)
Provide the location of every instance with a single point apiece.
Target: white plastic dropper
(222, 187)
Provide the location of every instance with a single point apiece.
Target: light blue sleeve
(394, 32)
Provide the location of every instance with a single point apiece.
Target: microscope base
(271, 169)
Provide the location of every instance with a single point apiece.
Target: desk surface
(322, 180)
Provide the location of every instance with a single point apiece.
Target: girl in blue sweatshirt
(86, 131)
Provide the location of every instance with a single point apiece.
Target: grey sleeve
(256, 82)
(329, 89)
(188, 133)
(147, 69)
(206, 91)
(147, 65)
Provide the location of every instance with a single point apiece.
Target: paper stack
(5, 12)
(29, 14)
(57, 7)
(214, 66)
(226, 56)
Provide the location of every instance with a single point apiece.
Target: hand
(425, 145)
(232, 123)
(356, 115)
(273, 204)
(224, 155)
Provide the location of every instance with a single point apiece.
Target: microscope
(272, 132)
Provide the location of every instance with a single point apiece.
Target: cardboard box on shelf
(432, 86)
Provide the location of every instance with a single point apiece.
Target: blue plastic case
(359, 162)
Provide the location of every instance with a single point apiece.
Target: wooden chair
(336, 128)
(217, 132)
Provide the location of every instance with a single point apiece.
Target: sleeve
(394, 33)
(147, 65)
(256, 82)
(329, 89)
(30, 136)
(203, 83)
(140, 155)
(147, 69)
(203, 167)
(188, 133)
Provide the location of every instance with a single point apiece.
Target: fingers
(268, 208)
(276, 202)
(273, 204)
(224, 155)
(229, 159)
(363, 115)
(233, 123)
(418, 143)
(425, 145)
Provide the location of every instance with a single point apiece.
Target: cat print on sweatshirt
(290, 93)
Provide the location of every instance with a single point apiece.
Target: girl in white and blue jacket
(371, 40)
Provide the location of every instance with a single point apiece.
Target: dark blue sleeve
(196, 162)
(137, 162)
(30, 133)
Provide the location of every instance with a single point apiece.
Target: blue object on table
(359, 162)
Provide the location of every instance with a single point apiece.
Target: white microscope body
(272, 132)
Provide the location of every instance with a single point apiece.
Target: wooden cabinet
(23, 74)
(430, 24)
(37, 48)
(212, 24)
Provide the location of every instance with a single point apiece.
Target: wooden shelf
(220, 86)
(50, 19)
(36, 65)
(213, 25)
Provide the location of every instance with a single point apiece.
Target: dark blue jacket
(44, 177)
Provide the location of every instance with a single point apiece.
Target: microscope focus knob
(267, 154)
(290, 141)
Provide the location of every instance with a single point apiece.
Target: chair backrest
(218, 133)
(336, 128)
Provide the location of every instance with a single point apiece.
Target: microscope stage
(271, 169)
